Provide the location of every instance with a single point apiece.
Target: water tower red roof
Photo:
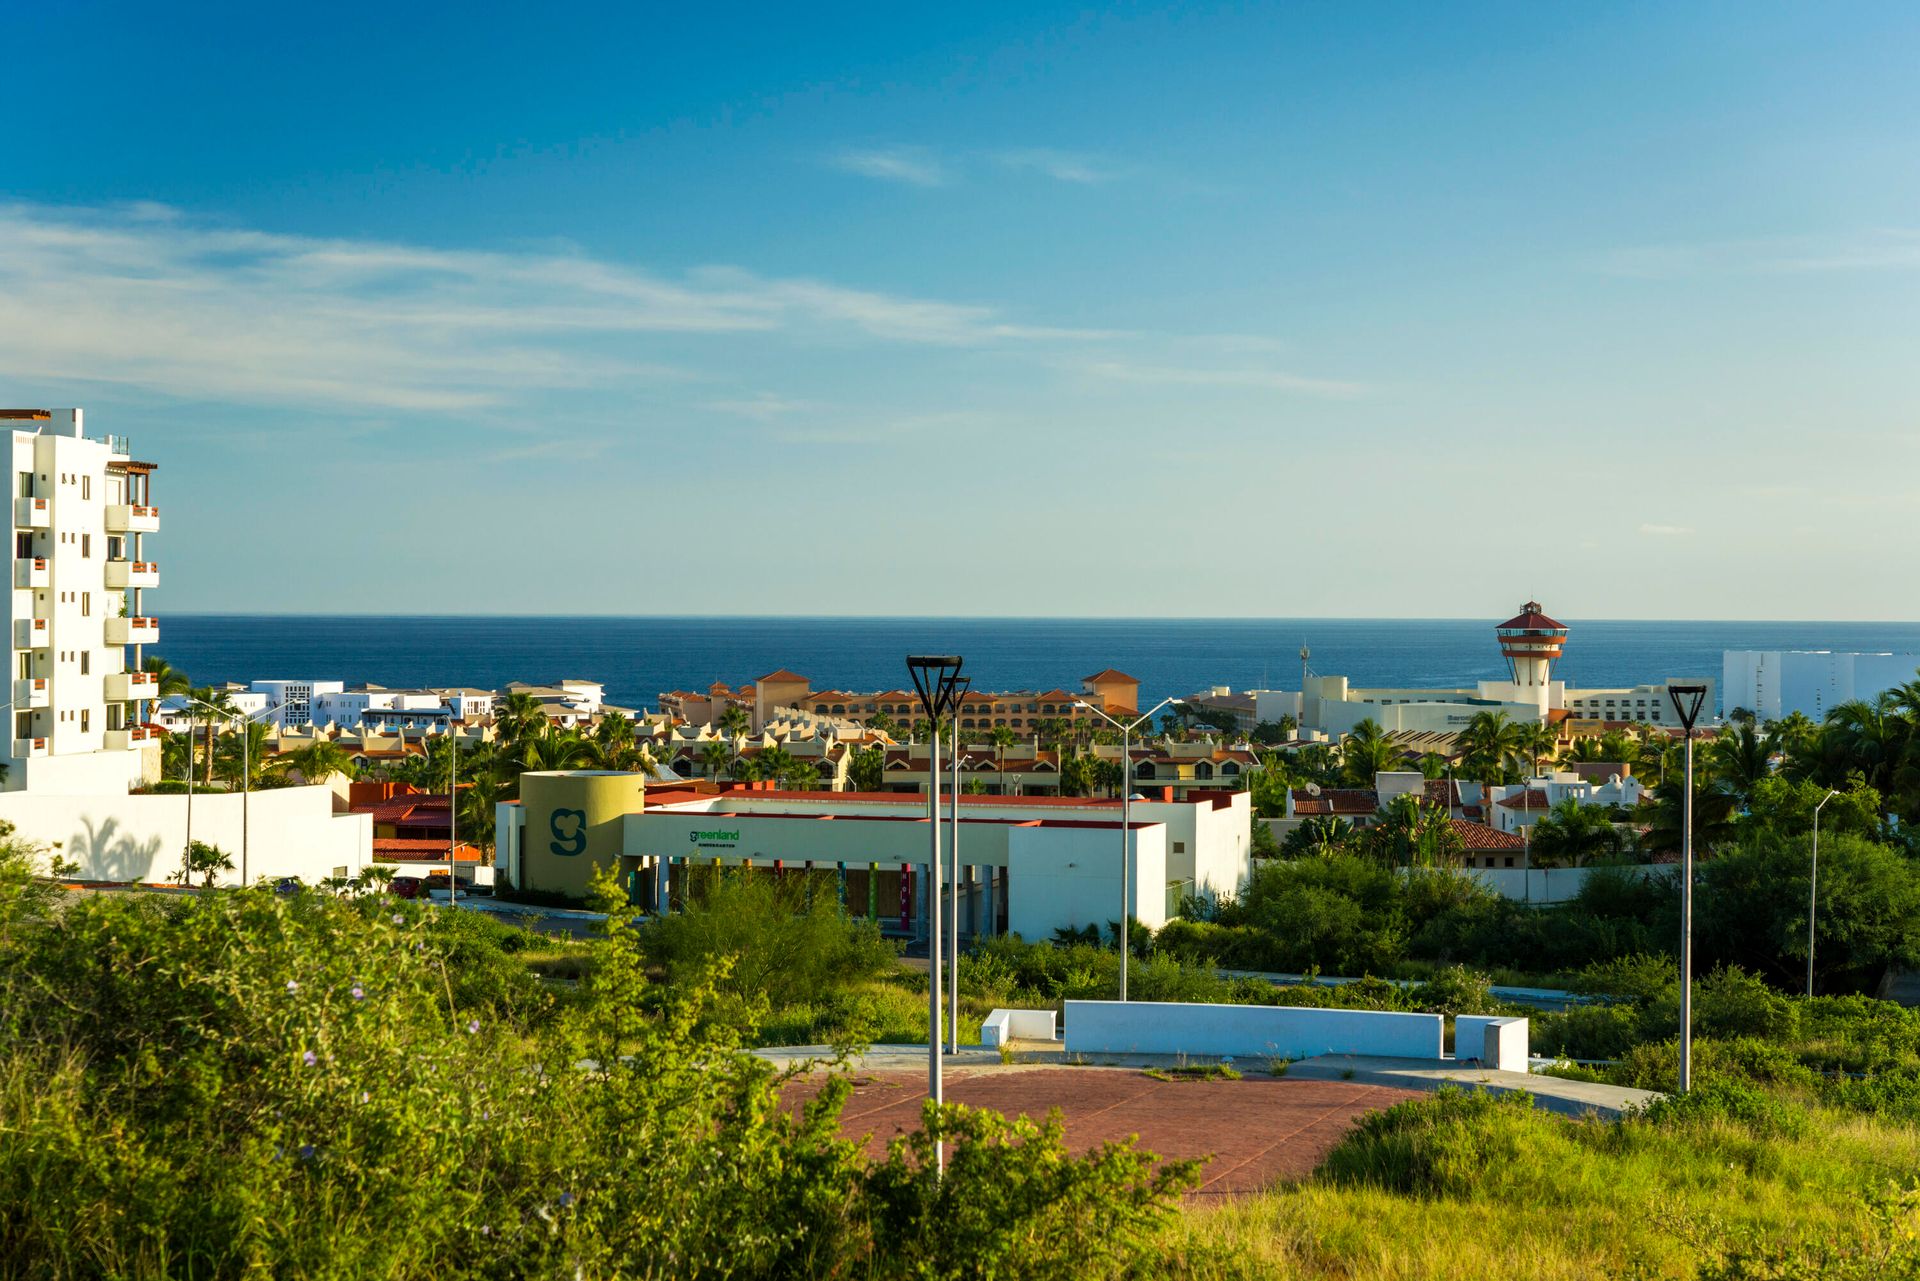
(1531, 619)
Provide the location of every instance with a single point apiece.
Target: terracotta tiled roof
(1478, 836)
(406, 849)
(1532, 799)
(784, 675)
(1336, 800)
(1531, 619)
(1110, 675)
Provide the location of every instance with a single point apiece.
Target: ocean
(636, 658)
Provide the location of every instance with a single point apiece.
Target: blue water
(638, 657)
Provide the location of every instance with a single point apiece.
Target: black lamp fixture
(936, 678)
(1688, 702)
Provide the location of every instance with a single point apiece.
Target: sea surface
(637, 658)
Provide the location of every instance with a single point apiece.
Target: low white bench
(1500, 1044)
(1002, 1026)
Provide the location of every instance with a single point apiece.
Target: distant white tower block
(1530, 641)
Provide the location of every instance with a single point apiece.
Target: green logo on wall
(702, 838)
(569, 828)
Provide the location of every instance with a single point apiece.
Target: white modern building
(1772, 683)
(292, 702)
(81, 514)
(1029, 864)
(81, 707)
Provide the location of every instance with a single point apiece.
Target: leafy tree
(1574, 835)
(1738, 759)
(1367, 751)
(169, 680)
(734, 721)
(317, 762)
(866, 771)
(1751, 909)
(1269, 733)
(519, 717)
(204, 861)
(1785, 806)
(715, 755)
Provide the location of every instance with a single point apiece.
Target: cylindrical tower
(1530, 641)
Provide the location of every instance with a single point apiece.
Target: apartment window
(86, 604)
(86, 661)
(86, 719)
(26, 665)
(86, 487)
(86, 545)
(23, 724)
(26, 484)
(23, 546)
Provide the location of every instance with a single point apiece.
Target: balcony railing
(131, 736)
(29, 747)
(30, 691)
(31, 513)
(132, 573)
(126, 687)
(131, 518)
(31, 633)
(133, 631)
(31, 571)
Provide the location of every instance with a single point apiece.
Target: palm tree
(734, 722)
(243, 747)
(1738, 759)
(1321, 836)
(168, 679)
(1870, 738)
(210, 700)
(553, 748)
(714, 757)
(1574, 834)
(1536, 742)
(1488, 745)
(614, 732)
(776, 765)
(318, 761)
(1365, 752)
(519, 717)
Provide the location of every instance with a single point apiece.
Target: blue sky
(1297, 310)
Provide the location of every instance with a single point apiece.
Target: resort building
(1029, 865)
(1530, 642)
(786, 695)
(1772, 683)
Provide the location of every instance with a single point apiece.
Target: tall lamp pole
(935, 678)
(1813, 884)
(1126, 821)
(246, 772)
(953, 879)
(1687, 702)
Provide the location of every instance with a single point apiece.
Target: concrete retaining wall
(1256, 1031)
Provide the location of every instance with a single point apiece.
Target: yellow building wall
(574, 824)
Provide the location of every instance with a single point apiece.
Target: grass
(1195, 1072)
(1469, 1186)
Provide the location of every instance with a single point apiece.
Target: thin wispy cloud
(148, 297)
(1063, 166)
(1666, 531)
(763, 407)
(1259, 379)
(915, 166)
(1879, 249)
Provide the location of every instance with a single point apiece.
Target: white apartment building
(292, 702)
(1772, 683)
(78, 628)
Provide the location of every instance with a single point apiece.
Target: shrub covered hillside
(239, 1084)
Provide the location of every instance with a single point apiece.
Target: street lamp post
(246, 774)
(935, 678)
(1126, 821)
(1813, 884)
(953, 879)
(1687, 702)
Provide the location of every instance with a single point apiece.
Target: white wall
(1071, 877)
(292, 831)
(1253, 1031)
(1547, 885)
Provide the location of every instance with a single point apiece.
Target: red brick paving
(1255, 1130)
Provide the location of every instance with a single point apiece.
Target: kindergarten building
(1028, 864)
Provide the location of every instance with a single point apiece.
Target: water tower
(1530, 641)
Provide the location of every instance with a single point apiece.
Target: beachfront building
(82, 511)
(1029, 865)
(1531, 643)
(1772, 683)
(82, 742)
(785, 695)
